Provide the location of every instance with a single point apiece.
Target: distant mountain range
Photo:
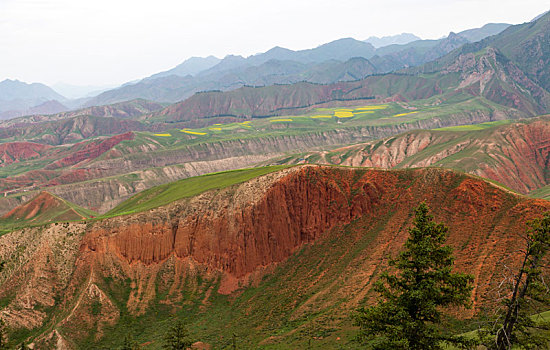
(495, 68)
(18, 98)
(399, 39)
(341, 60)
(352, 59)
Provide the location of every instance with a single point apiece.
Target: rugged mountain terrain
(516, 154)
(493, 68)
(487, 74)
(284, 66)
(280, 260)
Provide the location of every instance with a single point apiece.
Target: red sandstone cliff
(240, 232)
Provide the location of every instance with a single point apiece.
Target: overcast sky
(103, 42)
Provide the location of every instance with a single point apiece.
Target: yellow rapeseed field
(343, 114)
(404, 114)
(216, 129)
(193, 132)
(280, 120)
(163, 135)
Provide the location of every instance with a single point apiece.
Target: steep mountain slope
(42, 209)
(526, 45)
(478, 34)
(220, 259)
(516, 155)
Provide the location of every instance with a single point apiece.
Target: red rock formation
(43, 205)
(17, 151)
(90, 150)
(239, 232)
(298, 209)
(516, 155)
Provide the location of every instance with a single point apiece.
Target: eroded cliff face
(516, 155)
(325, 218)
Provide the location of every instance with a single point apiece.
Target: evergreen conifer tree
(411, 297)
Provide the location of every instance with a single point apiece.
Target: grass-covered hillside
(171, 192)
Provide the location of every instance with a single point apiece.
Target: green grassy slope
(168, 193)
(543, 192)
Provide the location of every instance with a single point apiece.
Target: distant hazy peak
(191, 66)
(15, 89)
(539, 16)
(399, 39)
(478, 34)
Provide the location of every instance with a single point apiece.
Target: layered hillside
(20, 151)
(42, 209)
(486, 74)
(515, 154)
(280, 260)
(129, 109)
(117, 166)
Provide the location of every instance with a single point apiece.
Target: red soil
(17, 151)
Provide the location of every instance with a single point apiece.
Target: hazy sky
(102, 42)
